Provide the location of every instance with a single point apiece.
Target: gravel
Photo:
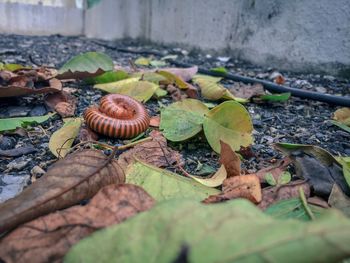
(296, 121)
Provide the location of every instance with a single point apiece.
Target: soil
(295, 121)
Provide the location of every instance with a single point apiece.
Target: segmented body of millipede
(118, 116)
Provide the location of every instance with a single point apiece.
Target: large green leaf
(229, 122)
(13, 123)
(183, 119)
(140, 90)
(293, 208)
(235, 231)
(110, 76)
(89, 64)
(162, 184)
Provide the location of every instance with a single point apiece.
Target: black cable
(270, 86)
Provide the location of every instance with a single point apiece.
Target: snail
(118, 116)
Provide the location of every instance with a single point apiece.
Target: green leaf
(270, 179)
(229, 122)
(110, 76)
(276, 97)
(86, 65)
(222, 70)
(133, 87)
(234, 231)
(293, 208)
(284, 178)
(13, 123)
(183, 119)
(13, 67)
(341, 125)
(160, 93)
(62, 140)
(149, 76)
(142, 61)
(162, 184)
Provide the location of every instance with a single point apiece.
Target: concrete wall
(29, 19)
(296, 35)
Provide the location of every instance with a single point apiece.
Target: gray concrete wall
(294, 35)
(28, 19)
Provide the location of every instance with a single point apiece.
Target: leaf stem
(304, 202)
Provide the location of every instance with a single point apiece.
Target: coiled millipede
(118, 116)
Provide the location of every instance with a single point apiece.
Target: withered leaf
(48, 238)
(242, 186)
(63, 103)
(70, 180)
(230, 160)
(86, 134)
(274, 194)
(155, 152)
(246, 91)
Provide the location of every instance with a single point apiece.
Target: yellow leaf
(213, 181)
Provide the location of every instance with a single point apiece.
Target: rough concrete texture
(27, 19)
(309, 35)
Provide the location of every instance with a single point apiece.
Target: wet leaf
(110, 76)
(62, 140)
(274, 194)
(77, 177)
(342, 115)
(183, 119)
(231, 232)
(142, 61)
(49, 237)
(163, 185)
(186, 74)
(13, 123)
(339, 200)
(154, 152)
(276, 97)
(230, 160)
(293, 208)
(89, 64)
(139, 90)
(213, 181)
(63, 103)
(318, 166)
(229, 122)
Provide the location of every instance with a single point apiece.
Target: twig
(126, 146)
(304, 202)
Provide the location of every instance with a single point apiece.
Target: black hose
(270, 86)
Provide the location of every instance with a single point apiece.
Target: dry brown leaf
(274, 194)
(155, 152)
(246, 91)
(63, 103)
(86, 134)
(276, 170)
(230, 160)
(70, 180)
(242, 186)
(280, 80)
(155, 121)
(48, 238)
(191, 91)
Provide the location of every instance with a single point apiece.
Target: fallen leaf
(229, 122)
(142, 61)
(246, 91)
(148, 76)
(89, 64)
(230, 160)
(16, 152)
(185, 74)
(13, 123)
(163, 185)
(155, 121)
(183, 119)
(62, 140)
(231, 232)
(155, 152)
(221, 70)
(48, 238)
(212, 181)
(68, 181)
(274, 194)
(339, 200)
(342, 115)
(293, 208)
(160, 93)
(86, 134)
(110, 76)
(63, 103)
(280, 80)
(278, 97)
(140, 90)
(206, 77)
(318, 166)
(275, 170)
(173, 79)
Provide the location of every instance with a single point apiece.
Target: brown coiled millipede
(118, 116)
